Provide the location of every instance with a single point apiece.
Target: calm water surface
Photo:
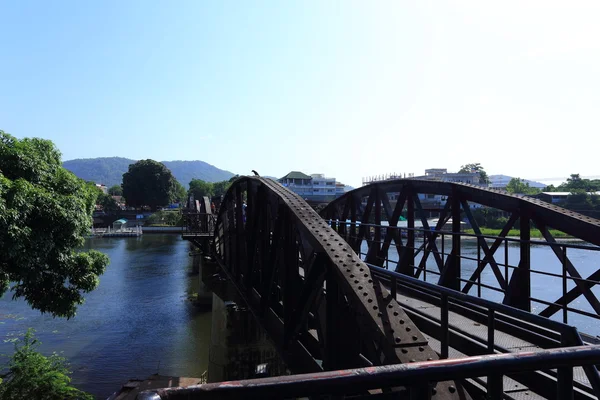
(137, 322)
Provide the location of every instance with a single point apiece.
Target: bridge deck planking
(504, 342)
(513, 389)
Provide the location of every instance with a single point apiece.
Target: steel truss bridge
(361, 304)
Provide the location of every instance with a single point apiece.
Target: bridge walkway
(480, 329)
(470, 329)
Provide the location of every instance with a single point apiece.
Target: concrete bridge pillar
(238, 345)
(205, 296)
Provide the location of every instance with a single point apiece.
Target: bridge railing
(418, 379)
(537, 330)
(557, 282)
(198, 223)
(556, 278)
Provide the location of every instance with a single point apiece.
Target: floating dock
(123, 232)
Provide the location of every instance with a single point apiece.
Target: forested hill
(110, 170)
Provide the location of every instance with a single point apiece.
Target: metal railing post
(565, 376)
(506, 261)
(495, 387)
(564, 285)
(445, 331)
(480, 272)
(491, 328)
(420, 391)
(443, 237)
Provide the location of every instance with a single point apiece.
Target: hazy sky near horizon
(345, 88)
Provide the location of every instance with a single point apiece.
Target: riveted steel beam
(352, 311)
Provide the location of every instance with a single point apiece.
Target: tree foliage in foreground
(31, 375)
(149, 183)
(45, 211)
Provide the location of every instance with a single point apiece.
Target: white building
(102, 187)
(314, 187)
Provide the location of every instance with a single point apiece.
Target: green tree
(550, 188)
(575, 182)
(115, 190)
(518, 185)
(170, 218)
(45, 211)
(220, 188)
(107, 202)
(475, 167)
(149, 183)
(200, 188)
(180, 193)
(31, 375)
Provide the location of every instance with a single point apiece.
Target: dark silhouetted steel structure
(358, 216)
(329, 302)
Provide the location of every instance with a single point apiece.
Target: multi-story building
(315, 187)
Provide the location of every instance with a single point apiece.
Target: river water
(137, 322)
(543, 287)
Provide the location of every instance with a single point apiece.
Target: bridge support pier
(205, 295)
(238, 344)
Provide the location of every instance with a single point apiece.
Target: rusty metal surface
(296, 273)
(319, 301)
(410, 376)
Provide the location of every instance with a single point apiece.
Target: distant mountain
(109, 170)
(500, 181)
(185, 171)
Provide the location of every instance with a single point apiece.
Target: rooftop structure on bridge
(429, 201)
(431, 174)
(314, 187)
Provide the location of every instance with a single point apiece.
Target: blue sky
(344, 88)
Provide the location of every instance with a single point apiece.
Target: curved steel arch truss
(311, 292)
(357, 217)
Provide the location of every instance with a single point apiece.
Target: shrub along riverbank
(517, 233)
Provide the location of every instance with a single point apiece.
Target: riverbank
(534, 233)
